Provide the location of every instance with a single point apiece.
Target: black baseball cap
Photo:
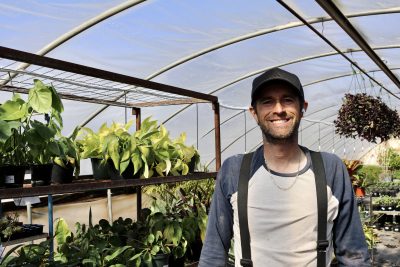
(276, 74)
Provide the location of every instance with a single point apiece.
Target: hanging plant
(366, 117)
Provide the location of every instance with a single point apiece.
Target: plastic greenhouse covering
(213, 47)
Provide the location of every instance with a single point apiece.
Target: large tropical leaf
(13, 110)
(40, 97)
(42, 130)
(56, 100)
(6, 129)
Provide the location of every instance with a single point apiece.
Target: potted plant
(9, 226)
(147, 151)
(366, 117)
(357, 180)
(188, 203)
(14, 159)
(158, 236)
(27, 140)
(29, 255)
(90, 146)
(397, 207)
(120, 152)
(67, 163)
(388, 226)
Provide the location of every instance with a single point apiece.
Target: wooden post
(217, 135)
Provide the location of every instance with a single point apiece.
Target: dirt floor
(387, 252)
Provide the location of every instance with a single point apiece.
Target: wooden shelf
(92, 185)
(25, 239)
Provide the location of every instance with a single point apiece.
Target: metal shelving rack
(82, 83)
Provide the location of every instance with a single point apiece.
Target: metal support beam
(51, 228)
(291, 10)
(346, 25)
(137, 112)
(52, 63)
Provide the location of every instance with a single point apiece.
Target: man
(282, 203)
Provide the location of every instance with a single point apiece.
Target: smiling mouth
(280, 121)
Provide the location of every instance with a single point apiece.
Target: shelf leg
(29, 212)
(109, 206)
(50, 216)
(138, 201)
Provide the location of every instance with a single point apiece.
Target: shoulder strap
(322, 202)
(242, 209)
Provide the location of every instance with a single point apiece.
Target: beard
(273, 136)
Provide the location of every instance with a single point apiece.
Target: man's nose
(278, 108)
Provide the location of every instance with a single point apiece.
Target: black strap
(322, 202)
(242, 210)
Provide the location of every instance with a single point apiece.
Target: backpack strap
(242, 210)
(322, 202)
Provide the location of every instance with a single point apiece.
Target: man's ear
(253, 113)
(304, 109)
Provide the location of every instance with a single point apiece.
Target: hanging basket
(366, 117)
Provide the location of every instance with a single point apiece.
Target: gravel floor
(387, 252)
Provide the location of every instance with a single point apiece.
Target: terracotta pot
(360, 192)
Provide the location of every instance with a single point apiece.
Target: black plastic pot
(388, 227)
(100, 171)
(180, 262)
(127, 174)
(159, 260)
(41, 174)
(12, 176)
(60, 175)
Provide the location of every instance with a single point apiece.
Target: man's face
(277, 112)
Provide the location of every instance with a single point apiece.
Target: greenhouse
(126, 128)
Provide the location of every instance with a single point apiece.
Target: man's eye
(289, 100)
(266, 101)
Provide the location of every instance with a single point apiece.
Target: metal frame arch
(263, 32)
(239, 39)
(285, 64)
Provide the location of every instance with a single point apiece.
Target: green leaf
(123, 166)
(147, 256)
(137, 162)
(56, 100)
(62, 231)
(13, 110)
(185, 169)
(116, 253)
(44, 131)
(6, 129)
(53, 148)
(150, 238)
(169, 232)
(155, 249)
(40, 97)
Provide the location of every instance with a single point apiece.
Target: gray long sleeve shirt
(283, 223)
